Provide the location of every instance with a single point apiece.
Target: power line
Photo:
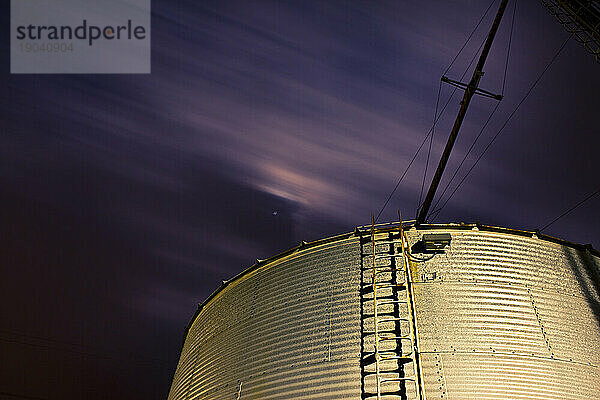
(437, 102)
(505, 123)
(441, 112)
(422, 143)
(571, 209)
(435, 117)
(432, 129)
(512, 25)
(469, 37)
(434, 214)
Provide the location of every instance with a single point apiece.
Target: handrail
(419, 384)
(374, 276)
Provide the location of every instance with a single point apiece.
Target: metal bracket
(478, 91)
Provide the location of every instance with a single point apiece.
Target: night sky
(127, 199)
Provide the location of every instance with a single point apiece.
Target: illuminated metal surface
(501, 314)
(508, 317)
(288, 329)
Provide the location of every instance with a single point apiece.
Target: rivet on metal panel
(440, 372)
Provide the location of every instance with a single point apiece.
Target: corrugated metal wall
(508, 317)
(499, 316)
(290, 329)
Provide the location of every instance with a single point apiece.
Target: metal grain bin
(450, 312)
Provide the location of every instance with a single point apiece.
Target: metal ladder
(389, 363)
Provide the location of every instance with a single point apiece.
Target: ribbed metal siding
(499, 316)
(290, 329)
(508, 317)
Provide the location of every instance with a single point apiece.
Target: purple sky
(127, 199)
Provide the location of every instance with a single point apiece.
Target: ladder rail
(419, 384)
(388, 306)
(374, 277)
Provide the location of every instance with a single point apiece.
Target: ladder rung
(402, 379)
(387, 256)
(394, 356)
(366, 289)
(379, 297)
(379, 314)
(401, 359)
(392, 302)
(392, 338)
(381, 255)
(392, 319)
(381, 267)
(393, 334)
(386, 241)
(384, 272)
(389, 285)
(369, 360)
(403, 356)
(387, 353)
(370, 395)
(378, 257)
(386, 283)
(365, 333)
(384, 356)
(369, 254)
(391, 371)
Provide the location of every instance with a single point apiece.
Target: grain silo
(462, 312)
(405, 311)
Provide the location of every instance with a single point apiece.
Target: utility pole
(470, 90)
